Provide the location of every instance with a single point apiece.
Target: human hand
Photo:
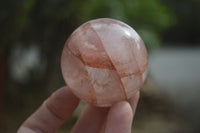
(59, 107)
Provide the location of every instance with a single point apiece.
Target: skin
(60, 106)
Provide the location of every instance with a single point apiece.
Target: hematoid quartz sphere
(104, 61)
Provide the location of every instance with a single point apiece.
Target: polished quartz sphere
(104, 61)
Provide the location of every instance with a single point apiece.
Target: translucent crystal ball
(104, 61)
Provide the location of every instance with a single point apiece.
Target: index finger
(52, 113)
